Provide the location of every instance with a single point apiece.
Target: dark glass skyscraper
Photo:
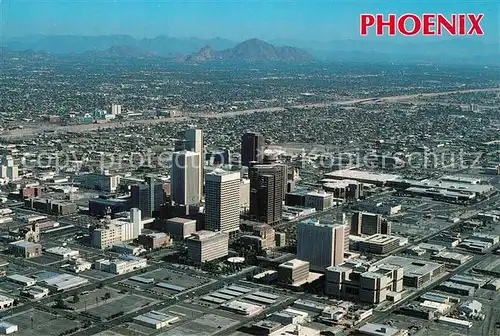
(252, 148)
(266, 193)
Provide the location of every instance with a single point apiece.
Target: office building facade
(185, 178)
(266, 193)
(206, 246)
(321, 243)
(252, 148)
(222, 201)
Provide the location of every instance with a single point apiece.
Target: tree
(76, 298)
(107, 296)
(100, 285)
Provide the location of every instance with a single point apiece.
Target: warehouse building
(155, 320)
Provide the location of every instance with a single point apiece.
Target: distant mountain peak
(251, 50)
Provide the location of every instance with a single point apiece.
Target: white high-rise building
(116, 109)
(194, 139)
(8, 170)
(320, 243)
(185, 178)
(222, 201)
(137, 224)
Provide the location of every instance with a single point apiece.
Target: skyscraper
(192, 141)
(222, 201)
(366, 223)
(185, 178)
(266, 193)
(147, 197)
(252, 148)
(321, 243)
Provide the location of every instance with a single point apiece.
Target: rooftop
(411, 266)
(294, 263)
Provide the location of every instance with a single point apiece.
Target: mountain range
(197, 50)
(250, 51)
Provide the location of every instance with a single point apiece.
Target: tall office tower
(366, 223)
(266, 193)
(321, 243)
(222, 201)
(147, 197)
(252, 148)
(192, 141)
(185, 178)
(136, 220)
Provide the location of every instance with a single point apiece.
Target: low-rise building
(25, 249)
(242, 308)
(293, 272)
(121, 265)
(21, 280)
(35, 292)
(379, 244)
(63, 252)
(62, 282)
(320, 200)
(155, 240)
(7, 328)
(6, 302)
(355, 280)
(78, 265)
(155, 319)
(451, 258)
(373, 329)
(180, 227)
(416, 272)
(124, 248)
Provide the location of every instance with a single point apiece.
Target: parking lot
(38, 323)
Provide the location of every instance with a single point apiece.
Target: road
(26, 132)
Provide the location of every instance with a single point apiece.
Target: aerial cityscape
(250, 184)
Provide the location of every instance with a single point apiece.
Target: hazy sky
(319, 20)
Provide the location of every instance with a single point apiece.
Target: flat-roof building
(356, 280)
(121, 265)
(379, 244)
(155, 319)
(373, 329)
(180, 227)
(322, 244)
(242, 308)
(63, 252)
(207, 245)
(62, 282)
(416, 272)
(25, 249)
(293, 272)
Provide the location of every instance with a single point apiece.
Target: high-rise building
(366, 223)
(147, 197)
(136, 220)
(321, 243)
(185, 178)
(266, 193)
(252, 148)
(116, 109)
(192, 141)
(222, 201)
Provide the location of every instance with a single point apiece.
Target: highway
(27, 132)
